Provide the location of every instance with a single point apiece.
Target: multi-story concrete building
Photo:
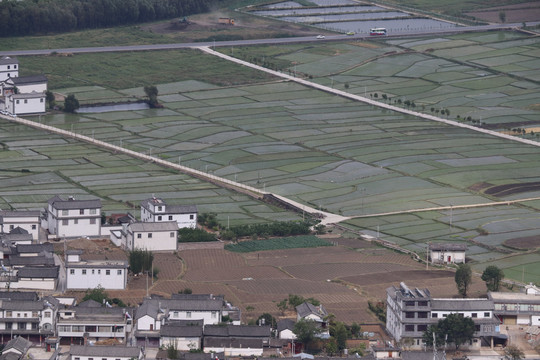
(410, 312)
(156, 210)
(516, 308)
(89, 274)
(74, 218)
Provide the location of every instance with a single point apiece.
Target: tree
(492, 275)
(502, 16)
(172, 351)
(341, 334)
(151, 92)
(140, 260)
(355, 329)
(97, 294)
(267, 319)
(306, 331)
(454, 329)
(71, 104)
(49, 98)
(514, 353)
(463, 279)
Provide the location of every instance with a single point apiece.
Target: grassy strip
(304, 241)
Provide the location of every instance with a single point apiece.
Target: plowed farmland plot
(340, 271)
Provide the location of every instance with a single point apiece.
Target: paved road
(235, 43)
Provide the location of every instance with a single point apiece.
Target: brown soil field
(343, 277)
(511, 189)
(525, 243)
(514, 13)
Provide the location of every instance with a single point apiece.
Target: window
(171, 234)
(170, 217)
(65, 212)
(188, 314)
(409, 303)
(421, 328)
(93, 271)
(139, 236)
(175, 314)
(159, 208)
(159, 218)
(34, 326)
(25, 315)
(119, 272)
(65, 222)
(72, 271)
(444, 315)
(422, 303)
(476, 327)
(474, 315)
(9, 325)
(434, 315)
(107, 272)
(90, 358)
(84, 271)
(149, 235)
(409, 315)
(47, 314)
(486, 315)
(18, 315)
(93, 211)
(77, 358)
(422, 315)
(92, 221)
(9, 314)
(21, 326)
(409, 327)
(9, 67)
(35, 314)
(191, 217)
(17, 102)
(25, 101)
(214, 314)
(14, 66)
(34, 227)
(81, 212)
(11, 227)
(41, 100)
(75, 221)
(99, 271)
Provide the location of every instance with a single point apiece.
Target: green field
(295, 242)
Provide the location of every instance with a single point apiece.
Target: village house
(74, 218)
(81, 352)
(21, 95)
(308, 311)
(153, 236)
(285, 329)
(16, 349)
(183, 335)
(91, 322)
(236, 340)
(410, 312)
(516, 308)
(27, 220)
(22, 314)
(89, 274)
(447, 253)
(156, 210)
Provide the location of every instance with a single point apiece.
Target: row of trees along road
(49, 16)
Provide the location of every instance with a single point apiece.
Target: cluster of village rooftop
(29, 262)
(24, 95)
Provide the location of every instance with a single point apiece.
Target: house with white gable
(21, 95)
(156, 210)
(153, 236)
(89, 274)
(74, 218)
(447, 253)
(27, 220)
(9, 67)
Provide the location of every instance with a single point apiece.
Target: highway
(272, 41)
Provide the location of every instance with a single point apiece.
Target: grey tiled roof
(248, 331)
(19, 343)
(18, 231)
(15, 237)
(448, 247)
(285, 324)
(194, 305)
(306, 309)
(237, 343)
(41, 272)
(196, 296)
(105, 351)
(461, 304)
(7, 60)
(148, 307)
(20, 213)
(175, 330)
(154, 226)
(35, 248)
(33, 79)
(42, 260)
(19, 305)
(169, 209)
(58, 203)
(18, 295)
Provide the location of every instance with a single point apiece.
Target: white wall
(90, 280)
(287, 334)
(144, 323)
(183, 344)
(27, 105)
(159, 241)
(234, 351)
(37, 284)
(208, 317)
(28, 223)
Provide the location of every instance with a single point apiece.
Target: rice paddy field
(319, 149)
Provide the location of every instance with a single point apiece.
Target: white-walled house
(447, 253)
(182, 336)
(74, 218)
(89, 274)
(153, 236)
(81, 352)
(285, 329)
(156, 210)
(27, 220)
(28, 84)
(26, 104)
(9, 67)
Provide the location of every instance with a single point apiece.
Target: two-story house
(25, 315)
(156, 210)
(27, 220)
(91, 322)
(74, 218)
(410, 312)
(516, 308)
(152, 236)
(89, 274)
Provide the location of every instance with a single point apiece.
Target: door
(449, 259)
(151, 327)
